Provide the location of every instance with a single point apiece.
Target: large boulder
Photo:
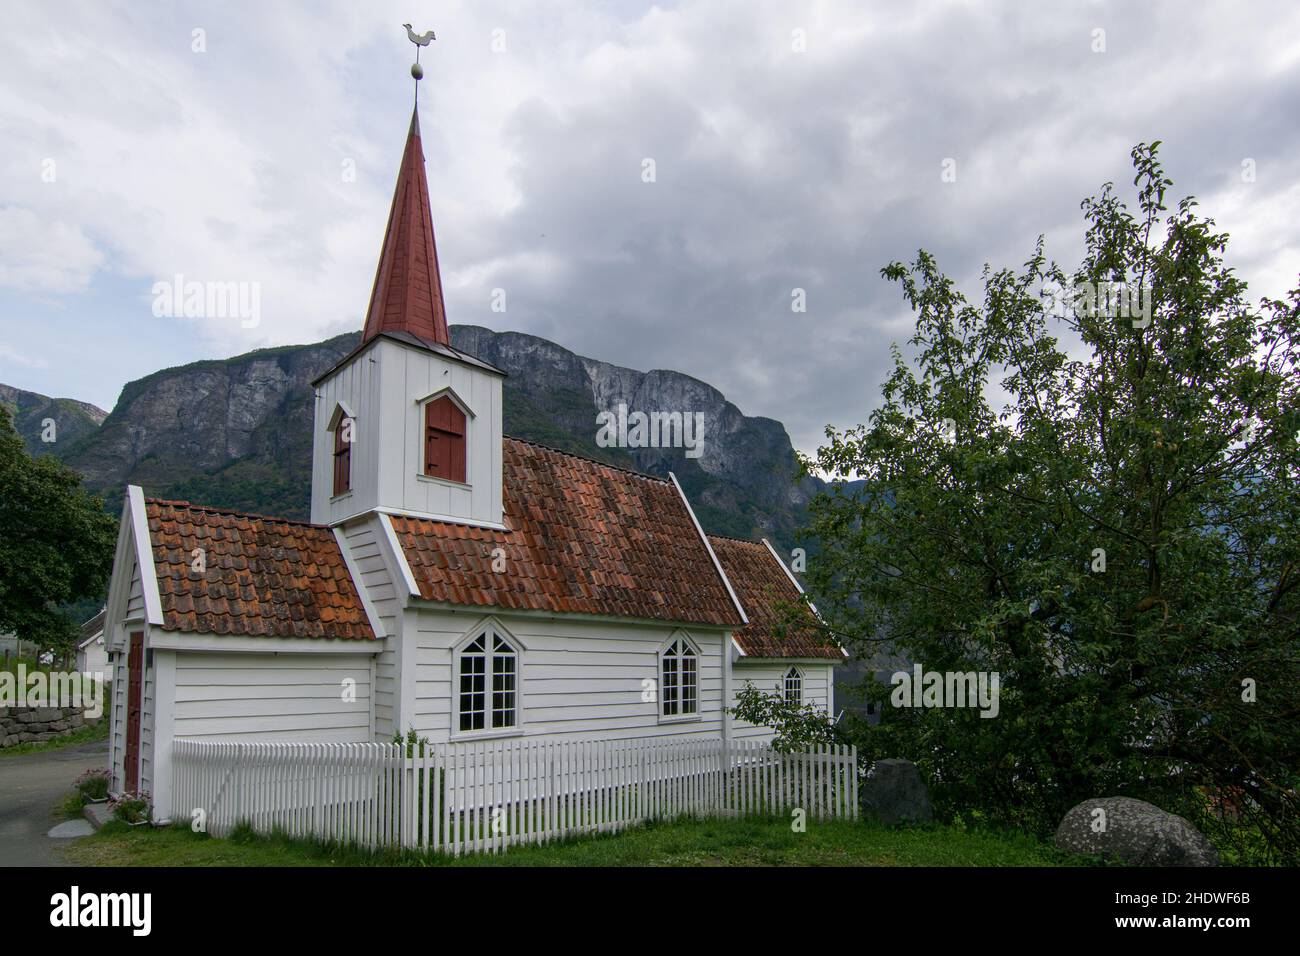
(1134, 832)
(893, 792)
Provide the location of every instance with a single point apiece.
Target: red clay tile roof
(265, 577)
(585, 538)
(765, 591)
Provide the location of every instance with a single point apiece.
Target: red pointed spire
(408, 290)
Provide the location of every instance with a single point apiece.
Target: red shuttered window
(343, 455)
(444, 440)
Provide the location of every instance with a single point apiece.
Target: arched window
(489, 684)
(343, 436)
(793, 687)
(679, 684)
(444, 440)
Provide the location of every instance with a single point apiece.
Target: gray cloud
(775, 169)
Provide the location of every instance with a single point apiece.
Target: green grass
(73, 806)
(30, 665)
(82, 735)
(681, 843)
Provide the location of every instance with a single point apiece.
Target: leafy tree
(794, 726)
(1111, 522)
(56, 544)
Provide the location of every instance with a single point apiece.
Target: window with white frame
(679, 684)
(793, 687)
(489, 684)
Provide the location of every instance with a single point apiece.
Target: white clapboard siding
(421, 376)
(281, 697)
(147, 707)
(117, 721)
(491, 795)
(577, 678)
(356, 386)
(367, 553)
(769, 677)
(135, 609)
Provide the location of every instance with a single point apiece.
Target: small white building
(92, 653)
(452, 581)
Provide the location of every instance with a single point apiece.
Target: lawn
(679, 843)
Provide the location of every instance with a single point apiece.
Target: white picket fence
(491, 795)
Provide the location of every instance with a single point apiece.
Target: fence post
(853, 774)
(238, 779)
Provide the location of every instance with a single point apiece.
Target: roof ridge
(213, 509)
(594, 461)
(729, 537)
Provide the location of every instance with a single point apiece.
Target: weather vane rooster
(419, 39)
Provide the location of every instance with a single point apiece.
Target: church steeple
(408, 289)
(405, 422)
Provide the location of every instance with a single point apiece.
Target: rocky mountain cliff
(237, 432)
(32, 411)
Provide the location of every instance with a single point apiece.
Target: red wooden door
(134, 705)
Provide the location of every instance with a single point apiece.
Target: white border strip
(708, 547)
(144, 556)
(546, 614)
(387, 523)
(422, 516)
(795, 581)
(375, 624)
(191, 641)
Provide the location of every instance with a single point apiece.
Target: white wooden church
(452, 581)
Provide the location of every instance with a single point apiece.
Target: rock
(97, 814)
(893, 792)
(31, 409)
(1134, 832)
(70, 829)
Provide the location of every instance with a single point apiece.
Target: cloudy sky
(794, 145)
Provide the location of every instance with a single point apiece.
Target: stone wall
(20, 725)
